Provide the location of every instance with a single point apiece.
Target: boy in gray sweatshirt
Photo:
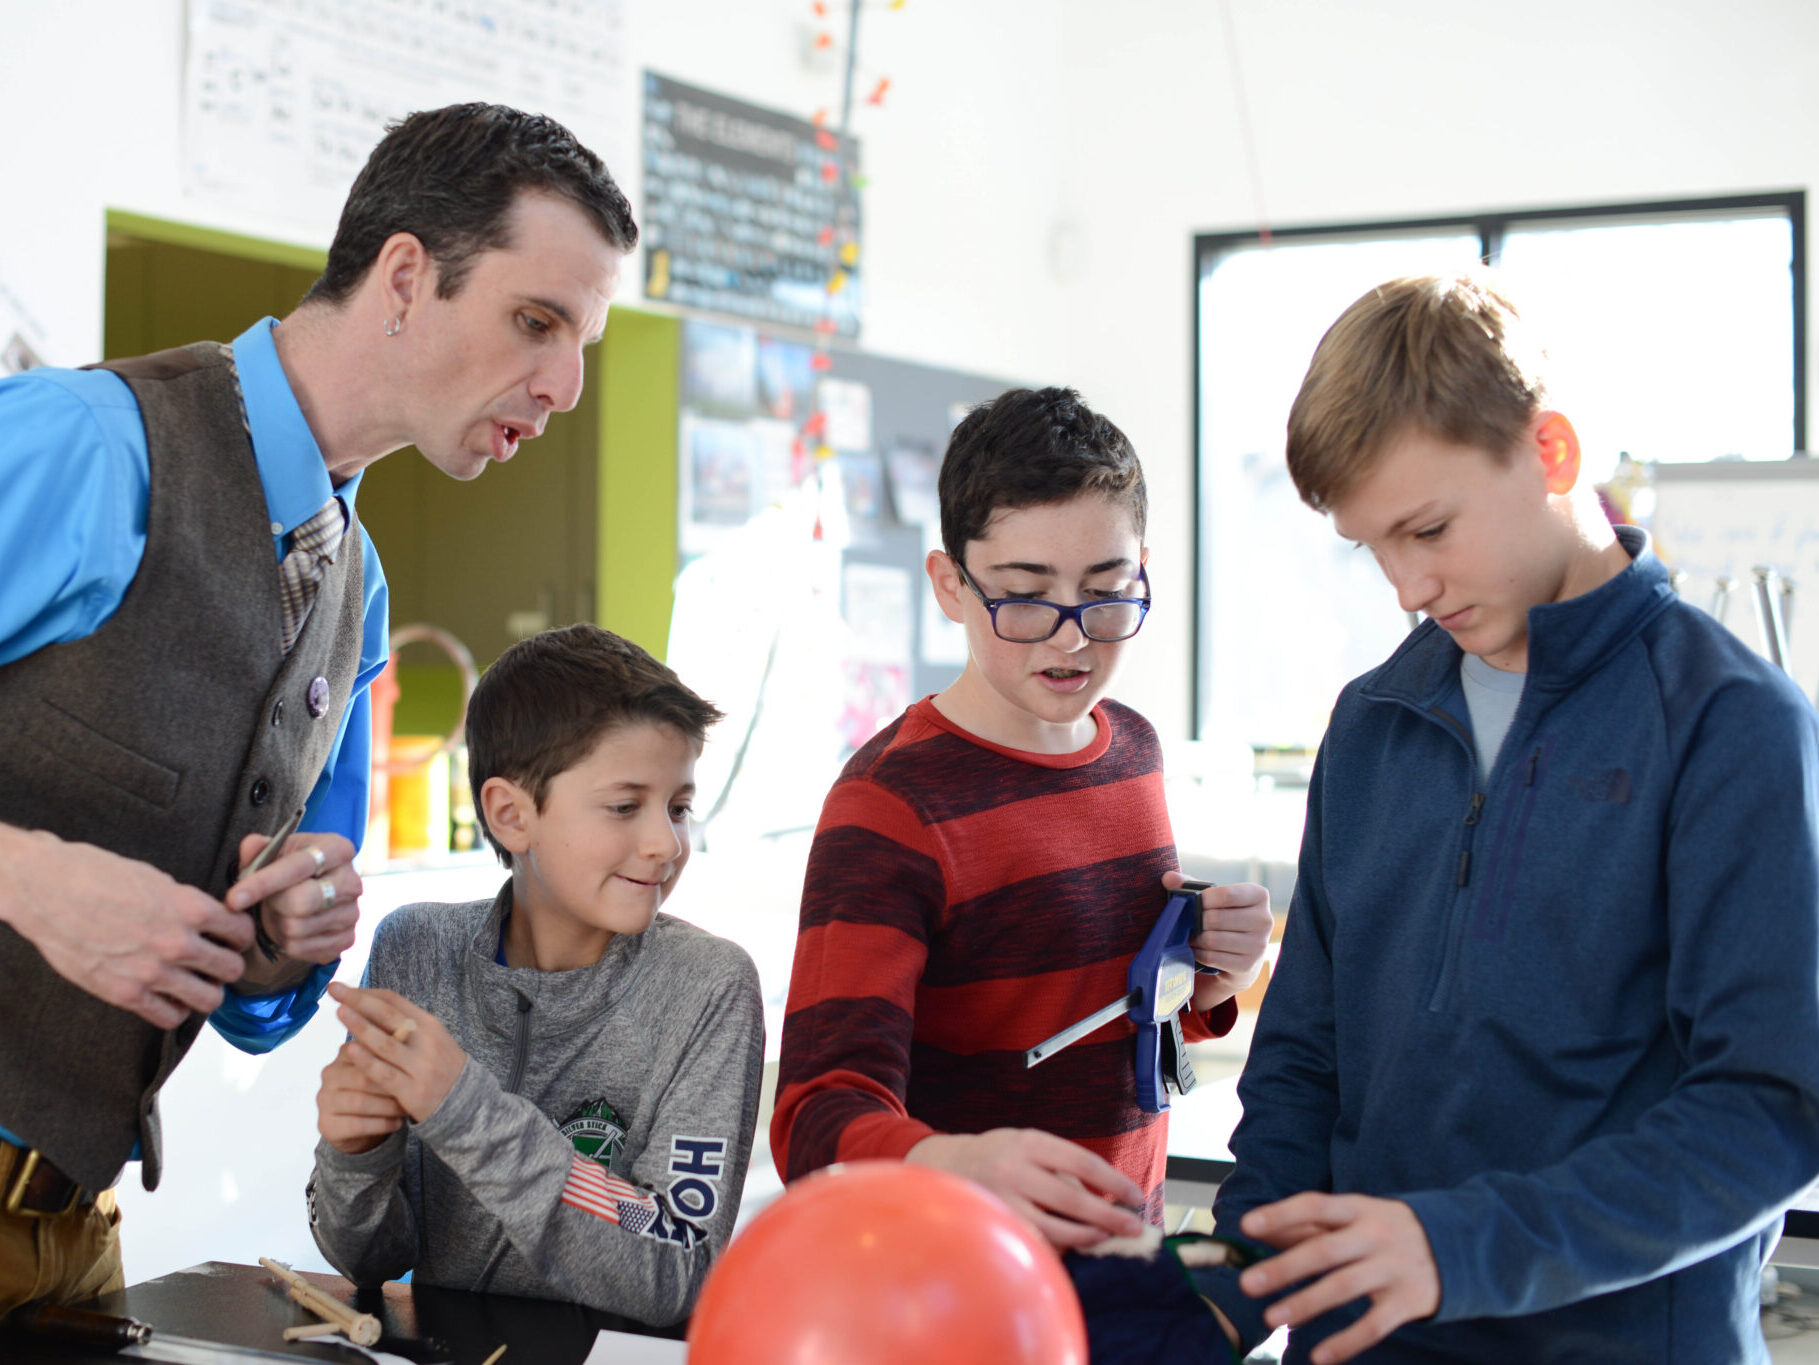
(552, 1093)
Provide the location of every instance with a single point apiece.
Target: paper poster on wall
(719, 487)
(284, 99)
(862, 490)
(877, 601)
(875, 695)
(786, 378)
(878, 605)
(779, 468)
(719, 370)
(912, 472)
(848, 405)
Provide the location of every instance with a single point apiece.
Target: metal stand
(1772, 592)
(1721, 598)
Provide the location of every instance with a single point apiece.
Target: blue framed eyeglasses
(1030, 620)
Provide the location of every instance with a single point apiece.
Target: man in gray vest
(190, 617)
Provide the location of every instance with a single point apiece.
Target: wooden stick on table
(305, 1330)
(362, 1329)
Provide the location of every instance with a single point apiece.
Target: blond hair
(1444, 355)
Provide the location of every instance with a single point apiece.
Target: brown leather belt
(35, 1188)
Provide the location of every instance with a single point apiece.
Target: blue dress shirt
(75, 476)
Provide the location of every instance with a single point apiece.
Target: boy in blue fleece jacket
(1539, 1070)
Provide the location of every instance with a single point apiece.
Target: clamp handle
(1162, 974)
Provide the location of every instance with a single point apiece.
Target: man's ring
(320, 857)
(329, 894)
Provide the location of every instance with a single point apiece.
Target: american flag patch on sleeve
(596, 1190)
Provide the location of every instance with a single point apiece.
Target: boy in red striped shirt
(988, 865)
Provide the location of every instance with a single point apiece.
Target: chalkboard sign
(1716, 523)
(748, 211)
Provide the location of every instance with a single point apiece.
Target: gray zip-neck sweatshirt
(649, 1060)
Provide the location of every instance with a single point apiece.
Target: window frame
(1492, 227)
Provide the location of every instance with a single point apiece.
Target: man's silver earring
(395, 326)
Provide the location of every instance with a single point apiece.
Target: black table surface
(247, 1305)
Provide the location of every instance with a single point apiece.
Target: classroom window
(1675, 333)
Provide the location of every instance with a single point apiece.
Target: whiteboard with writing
(284, 99)
(1718, 522)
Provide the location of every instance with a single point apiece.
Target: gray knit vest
(173, 731)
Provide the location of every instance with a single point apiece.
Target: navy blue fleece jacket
(1570, 1014)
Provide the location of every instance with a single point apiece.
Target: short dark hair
(547, 701)
(1028, 448)
(450, 178)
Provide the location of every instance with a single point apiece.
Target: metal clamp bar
(1769, 618)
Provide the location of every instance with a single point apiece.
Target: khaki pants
(65, 1259)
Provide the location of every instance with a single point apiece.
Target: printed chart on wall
(283, 99)
(749, 211)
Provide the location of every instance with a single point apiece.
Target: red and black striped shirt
(964, 901)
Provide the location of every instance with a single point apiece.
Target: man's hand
(308, 899)
(121, 930)
(1068, 1194)
(1350, 1246)
(1235, 939)
(352, 1113)
(417, 1070)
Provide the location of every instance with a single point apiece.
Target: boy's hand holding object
(402, 1050)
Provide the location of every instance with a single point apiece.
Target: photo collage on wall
(761, 429)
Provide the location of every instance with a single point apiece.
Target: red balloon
(887, 1263)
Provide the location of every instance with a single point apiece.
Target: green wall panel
(640, 398)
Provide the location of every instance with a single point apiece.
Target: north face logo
(1612, 785)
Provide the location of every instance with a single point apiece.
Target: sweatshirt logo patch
(594, 1130)
(1612, 784)
(605, 1195)
(698, 1163)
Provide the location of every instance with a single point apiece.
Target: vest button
(317, 697)
(278, 712)
(261, 792)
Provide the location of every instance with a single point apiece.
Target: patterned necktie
(313, 547)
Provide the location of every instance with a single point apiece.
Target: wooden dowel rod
(304, 1331)
(323, 1306)
(363, 1329)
